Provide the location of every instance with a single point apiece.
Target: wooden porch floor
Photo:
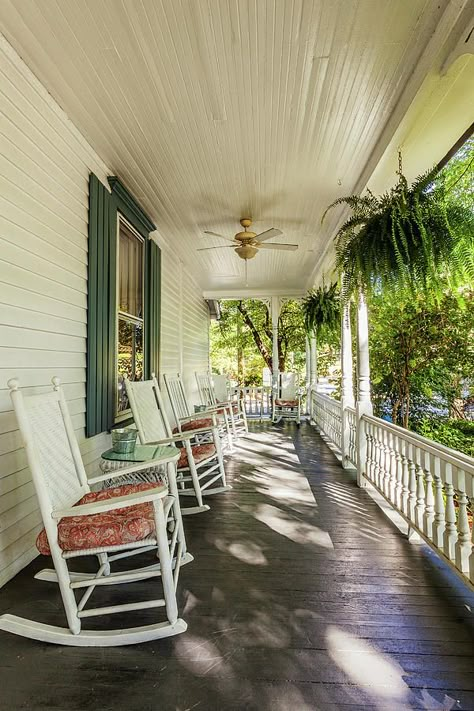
(303, 595)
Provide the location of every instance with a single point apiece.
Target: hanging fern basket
(406, 238)
(322, 312)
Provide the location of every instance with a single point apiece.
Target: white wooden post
(313, 370)
(364, 403)
(275, 314)
(313, 361)
(347, 389)
(308, 378)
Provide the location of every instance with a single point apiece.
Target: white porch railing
(257, 400)
(327, 413)
(430, 485)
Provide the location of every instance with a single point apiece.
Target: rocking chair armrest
(119, 502)
(177, 437)
(197, 416)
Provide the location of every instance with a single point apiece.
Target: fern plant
(322, 311)
(406, 238)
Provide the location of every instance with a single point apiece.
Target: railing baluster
(450, 532)
(462, 548)
(420, 490)
(399, 474)
(411, 484)
(428, 516)
(439, 523)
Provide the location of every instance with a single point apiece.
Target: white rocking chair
(187, 420)
(110, 524)
(234, 409)
(200, 465)
(287, 399)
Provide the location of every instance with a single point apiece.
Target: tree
(244, 336)
(422, 352)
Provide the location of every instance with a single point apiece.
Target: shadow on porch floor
(302, 595)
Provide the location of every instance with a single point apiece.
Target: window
(130, 317)
(123, 302)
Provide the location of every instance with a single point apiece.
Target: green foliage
(457, 434)
(422, 352)
(406, 238)
(241, 342)
(322, 312)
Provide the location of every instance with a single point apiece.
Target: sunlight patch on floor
(366, 666)
(291, 527)
(247, 552)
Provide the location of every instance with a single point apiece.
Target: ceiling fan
(246, 244)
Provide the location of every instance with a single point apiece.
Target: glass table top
(142, 453)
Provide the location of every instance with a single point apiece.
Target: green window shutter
(152, 308)
(102, 298)
(101, 309)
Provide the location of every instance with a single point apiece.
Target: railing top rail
(452, 456)
(325, 397)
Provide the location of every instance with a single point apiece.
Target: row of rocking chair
(123, 520)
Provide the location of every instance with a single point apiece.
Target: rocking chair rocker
(111, 524)
(200, 465)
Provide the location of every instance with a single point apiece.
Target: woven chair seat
(193, 425)
(200, 453)
(286, 403)
(111, 528)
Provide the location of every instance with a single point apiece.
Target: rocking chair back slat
(288, 386)
(148, 410)
(53, 456)
(221, 389)
(177, 396)
(206, 390)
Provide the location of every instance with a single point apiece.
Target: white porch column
(364, 403)
(313, 361)
(275, 314)
(347, 388)
(308, 377)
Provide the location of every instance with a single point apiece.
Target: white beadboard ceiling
(212, 110)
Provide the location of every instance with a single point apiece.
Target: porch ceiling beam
(236, 294)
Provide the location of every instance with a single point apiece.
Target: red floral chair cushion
(194, 425)
(235, 406)
(200, 453)
(286, 403)
(111, 528)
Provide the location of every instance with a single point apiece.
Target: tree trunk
(240, 355)
(263, 350)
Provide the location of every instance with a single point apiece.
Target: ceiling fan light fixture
(246, 251)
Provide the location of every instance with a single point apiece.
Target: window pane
(130, 272)
(130, 358)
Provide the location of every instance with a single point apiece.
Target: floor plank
(302, 595)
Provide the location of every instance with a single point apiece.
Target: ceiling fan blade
(287, 247)
(216, 234)
(268, 234)
(218, 246)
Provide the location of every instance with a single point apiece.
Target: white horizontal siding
(184, 323)
(44, 174)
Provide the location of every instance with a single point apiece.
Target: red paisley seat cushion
(111, 528)
(200, 453)
(286, 403)
(235, 406)
(194, 425)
